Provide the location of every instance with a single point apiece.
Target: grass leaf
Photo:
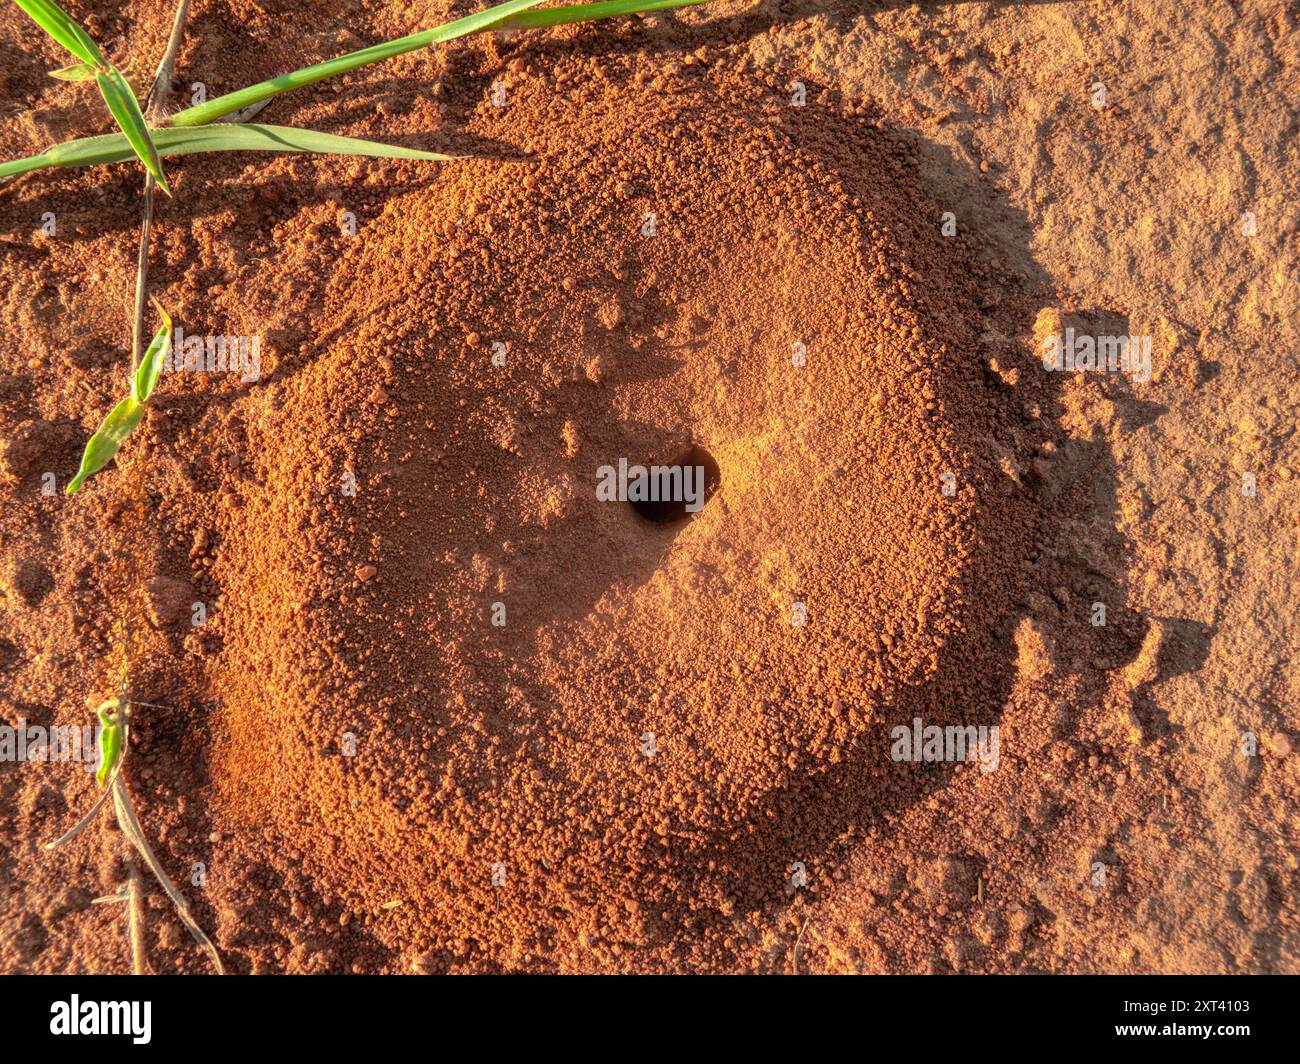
(114, 148)
(124, 417)
(22, 166)
(264, 90)
(146, 377)
(101, 447)
(75, 72)
(126, 110)
(63, 28)
(480, 20)
(570, 13)
(250, 136)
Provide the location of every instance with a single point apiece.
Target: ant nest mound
(457, 675)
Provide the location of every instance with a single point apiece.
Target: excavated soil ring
(540, 722)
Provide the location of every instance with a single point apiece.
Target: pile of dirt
(451, 711)
(555, 733)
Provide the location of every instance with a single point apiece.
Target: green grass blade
(114, 148)
(104, 444)
(22, 166)
(75, 72)
(146, 377)
(264, 90)
(126, 110)
(512, 15)
(560, 16)
(477, 22)
(61, 26)
(250, 136)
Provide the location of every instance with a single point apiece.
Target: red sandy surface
(376, 778)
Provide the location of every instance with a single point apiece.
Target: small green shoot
(110, 740)
(75, 72)
(124, 417)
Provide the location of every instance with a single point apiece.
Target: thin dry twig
(141, 277)
(794, 960)
(135, 918)
(154, 102)
(163, 75)
(80, 825)
(130, 825)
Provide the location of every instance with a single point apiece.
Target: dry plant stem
(794, 963)
(80, 825)
(132, 889)
(126, 818)
(135, 918)
(141, 277)
(130, 826)
(163, 75)
(153, 103)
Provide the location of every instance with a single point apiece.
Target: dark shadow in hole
(668, 494)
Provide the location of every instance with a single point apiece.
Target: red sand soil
(377, 778)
